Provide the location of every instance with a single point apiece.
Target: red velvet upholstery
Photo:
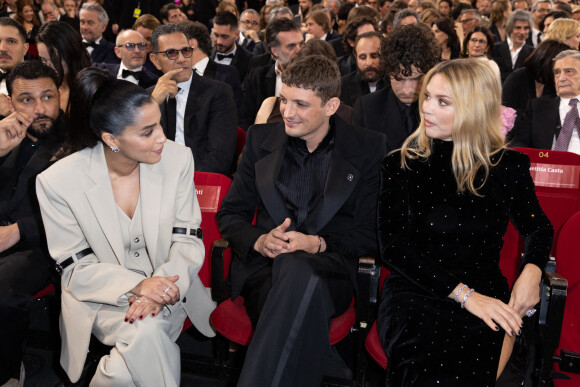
(374, 347)
(47, 290)
(240, 142)
(568, 264)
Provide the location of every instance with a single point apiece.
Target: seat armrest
(367, 292)
(218, 286)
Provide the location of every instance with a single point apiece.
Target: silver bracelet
(466, 297)
(319, 244)
(459, 292)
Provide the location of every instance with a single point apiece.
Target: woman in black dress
(447, 314)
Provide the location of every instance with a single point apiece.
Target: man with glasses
(131, 47)
(469, 19)
(539, 10)
(197, 112)
(249, 27)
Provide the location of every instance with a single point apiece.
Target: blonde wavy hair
(476, 94)
(562, 29)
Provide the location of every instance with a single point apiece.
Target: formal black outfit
(384, 112)
(346, 64)
(502, 56)
(25, 268)
(240, 61)
(209, 124)
(104, 52)
(296, 294)
(520, 87)
(353, 87)
(225, 74)
(259, 60)
(146, 77)
(332, 35)
(259, 85)
(536, 126)
(338, 47)
(433, 238)
(74, 22)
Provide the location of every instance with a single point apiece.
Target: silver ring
(530, 312)
(163, 295)
(166, 290)
(138, 301)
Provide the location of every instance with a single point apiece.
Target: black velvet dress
(432, 238)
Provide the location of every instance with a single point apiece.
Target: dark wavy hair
(541, 61)
(446, 26)
(488, 36)
(196, 30)
(407, 46)
(351, 28)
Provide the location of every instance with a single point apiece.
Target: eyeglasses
(467, 20)
(480, 41)
(172, 53)
(131, 46)
(252, 22)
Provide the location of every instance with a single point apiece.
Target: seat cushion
(374, 347)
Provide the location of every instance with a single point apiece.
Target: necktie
(91, 44)
(570, 122)
(224, 56)
(171, 106)
(539, 37)
(137, 74)
(409, 119)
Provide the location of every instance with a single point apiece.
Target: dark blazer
(18, 203)
(537, 125)
(74, 22)
(520, 87)
(338, 47)
(380, 111)
(332, 35)
(261, 60)
(259, 85)
(104, 53)
(353, 88)
(346, 64)
(147, 80)
(345, 215)
(225, 74)
(260, 48)
(241, 60)
(210, 124)
(503, 58)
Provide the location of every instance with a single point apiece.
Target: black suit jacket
(147, 80)
(259, 85)
(345, 215)
(225, 74)
(353, 88)
(332, 35)
(18, 203)
(338, 47)
(380, 111)
(503, 58)
(537, 125)
(209, 125)
(347, 64)
(241, 60)
(104, 53)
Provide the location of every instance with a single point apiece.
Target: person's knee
(296, 266)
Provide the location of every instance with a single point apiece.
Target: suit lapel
(505, 53)
(151, 185)
(191, 108)
(102, 201)
(270, 82)
(210, 70)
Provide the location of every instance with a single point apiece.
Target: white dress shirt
(200, 66)
(513, 53)
(180, 104)
(130, 78)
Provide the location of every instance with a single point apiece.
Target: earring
(114, 149)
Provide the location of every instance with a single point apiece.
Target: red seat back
(211, 188)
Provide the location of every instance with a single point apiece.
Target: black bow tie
(3, 75)
(137, 74)
(91, 44)
(224, 56)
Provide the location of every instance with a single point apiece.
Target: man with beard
(369, 76)
(226, 51)
(29, 138)
(13, 46)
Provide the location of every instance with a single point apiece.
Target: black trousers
(291, 304)
(22, 274)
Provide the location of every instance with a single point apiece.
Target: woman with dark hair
(444, 7)
(122, 221)
(500, 12)
(535, 78)
(477, 43)
(444, 30)
(60, 47)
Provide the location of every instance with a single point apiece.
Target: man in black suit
(407, 55)
(11, 54)
(318, 26)
(313, 181)
(195, 111)
(199, 39)
(132, 49)
(29, 138)
(10, 10)
(344, 46)
(369, 76)
(515, 47)
(540, 9)
(93, 21)
(542, 124)
(226, 51)
(284, 40)
(249, 26)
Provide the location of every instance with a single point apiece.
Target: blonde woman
(566, 31)
(447, 315)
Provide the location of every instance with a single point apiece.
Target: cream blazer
(79, 211)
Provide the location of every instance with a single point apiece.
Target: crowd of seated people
(322, 89)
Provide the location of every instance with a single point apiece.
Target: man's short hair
(226, 18)
(363, 11)
(541, 1)
(368, 35)
(344, 10)
(316, 73)
(407, 46)
(318, 47)
(518, 15)
(564, 54)
(320, 18)
(277, 11)
(9, 22)
(249, 11)
(474, 11)
(277, 26)
(147, 21)
(350, 31)
(165, 29)
(399, 16)
(30, 70)
(199, 32)
(164, 11)
(103, 17)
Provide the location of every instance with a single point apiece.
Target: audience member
(446, 35)
(500, 12)
(13, 46)
(93, 22)
(469, 19)
(549, 122)
(71, 15)
(145, 25)
(511, 53)
(369, 76)
(539, 10)
(478, 43)
(226, 51)
(171, 13)
(566, 31)
(520, 4)
(50, 11)
(405, 17)
(429, 15)
(26, 16)
(122, 223)
(406, 55)
(318, 26)
(249, 26)
(9, 10)
(344, 46)
(484, 7)
(29, 138)
(296, 267)
(195, 111)
(549, 19)
(444, 7)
